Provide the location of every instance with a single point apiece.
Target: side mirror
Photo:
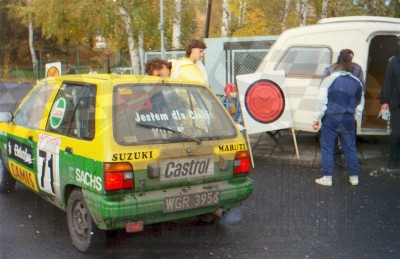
(6, 116)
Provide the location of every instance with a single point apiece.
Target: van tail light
(118, 176)
(241, 163)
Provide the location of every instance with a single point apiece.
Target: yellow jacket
(185, 69)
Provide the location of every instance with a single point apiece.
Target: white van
(291, 72)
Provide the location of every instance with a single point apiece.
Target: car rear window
(159, 113)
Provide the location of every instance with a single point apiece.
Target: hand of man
(385, 106)
(316, 125)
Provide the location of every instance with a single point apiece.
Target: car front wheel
(83, 231)
(7, 182)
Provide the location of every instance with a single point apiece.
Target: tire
(7, 182)
(85, 235)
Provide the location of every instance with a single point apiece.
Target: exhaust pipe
(220, 212)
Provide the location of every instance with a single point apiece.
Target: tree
(176, 25)
(286, 14)
(25, 12)
(394, 8)
(31, 45)
(225, 19)
(131, 25)
(325, 4)
(302, 9)
(126, 18)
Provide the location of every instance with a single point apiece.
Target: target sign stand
(264, 104)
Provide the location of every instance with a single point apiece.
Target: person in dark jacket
(339, 95)
(357, 71)
(390, 100)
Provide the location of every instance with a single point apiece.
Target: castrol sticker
(57, 113)
(192, 167)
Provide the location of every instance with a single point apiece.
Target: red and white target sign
(264, 101)
(264, 104)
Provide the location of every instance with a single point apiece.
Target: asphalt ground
(305, 220)
(279, 146)
(300, 219)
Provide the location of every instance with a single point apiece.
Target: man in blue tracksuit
(338, 98)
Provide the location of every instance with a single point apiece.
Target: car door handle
(69, 150)
(30, 138)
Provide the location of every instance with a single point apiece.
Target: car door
(66, 142)
(23, 135)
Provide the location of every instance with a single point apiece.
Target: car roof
(120, 79)
(348, 19)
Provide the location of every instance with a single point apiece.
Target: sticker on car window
(58, 112)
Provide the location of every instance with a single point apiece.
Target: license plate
(185, 168)
(191, 201)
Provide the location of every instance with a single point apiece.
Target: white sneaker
(353, 179)
(324, 180)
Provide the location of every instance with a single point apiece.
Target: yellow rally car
(120, 151)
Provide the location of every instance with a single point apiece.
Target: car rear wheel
(83, 231)
(7, 182)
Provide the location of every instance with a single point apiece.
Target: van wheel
(7, 182)
(83, 231)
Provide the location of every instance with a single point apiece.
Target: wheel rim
(81, 220)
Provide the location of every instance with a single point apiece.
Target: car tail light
(241, 163)
(118, 176)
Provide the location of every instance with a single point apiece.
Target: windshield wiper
(145, 125)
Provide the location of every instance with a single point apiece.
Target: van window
(305, 61)
(72, 113)
(146, 114)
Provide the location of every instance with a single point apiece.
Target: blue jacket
(227, 102)
(339, 94)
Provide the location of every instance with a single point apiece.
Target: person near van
(191, 67)
(357, 71)
(338, 98)
(390, 100)
(231, 102)
(158, 67)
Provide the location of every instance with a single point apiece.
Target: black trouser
(394, 136)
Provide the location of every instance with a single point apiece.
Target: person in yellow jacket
(190, 67)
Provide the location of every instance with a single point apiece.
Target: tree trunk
(286, 14)
(176, 27)
(243, 9)
(225, 19)
(324, 13)
(141, 51)
(32, 48)
(303, 12)
(126, 18)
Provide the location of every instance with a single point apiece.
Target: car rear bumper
(114, 212)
